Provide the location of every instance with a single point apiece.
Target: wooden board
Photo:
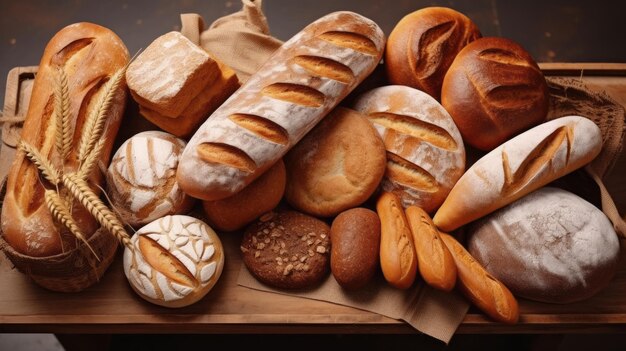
(112, 307)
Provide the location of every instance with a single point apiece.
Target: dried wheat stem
(62, 115)
(60, 212)
(46, 168)
(91, 160)
(94, 125)
(81, 191)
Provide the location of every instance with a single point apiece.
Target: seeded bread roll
(286, 98)
(493, 91)
(423, 45)
(519, 166)
(176, 261)
(425, 152)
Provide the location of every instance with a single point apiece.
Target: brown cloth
(241, 40)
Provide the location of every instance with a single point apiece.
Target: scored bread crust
(285, 99)
(519, 166)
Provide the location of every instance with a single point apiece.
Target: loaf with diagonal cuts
(425, 152)
(519, 166)
(307, 77)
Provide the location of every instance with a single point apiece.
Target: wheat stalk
(62, 115)
(91, 160)
(94, 125)
(46, 168)
(59, 210)
(83, 193)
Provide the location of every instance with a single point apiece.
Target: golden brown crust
(90, 55)
(423, 45)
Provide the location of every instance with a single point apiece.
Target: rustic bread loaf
(337, 166)
(519, 166)
(355, 243)
(550, 246)
(261, 196)
(422, 46)
(397, 253)
(434, 261)
(175, 261)
(494, 90)
(481, 288)
(277, 106)
(141, 180)
(89, 55)
(425, 152)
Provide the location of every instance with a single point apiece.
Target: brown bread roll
(261, 196)
(423, 45)
(337, 166)
(434, 261)
(89, 55)
(397, 253)
(480, 287)
(519, 166)
(493, 91)
(355, 243)
(303, 81)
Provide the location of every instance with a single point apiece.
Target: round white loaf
(141, 180)
(175, 261)
(550, 246)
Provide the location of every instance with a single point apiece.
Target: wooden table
(112, 307)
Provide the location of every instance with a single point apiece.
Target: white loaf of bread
(306, 78)
(519, 166)
(141, 180)
(425, 152)
(175, 261)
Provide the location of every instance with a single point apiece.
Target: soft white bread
(519, 166)
(305, 79)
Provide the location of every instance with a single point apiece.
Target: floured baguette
(519, 166)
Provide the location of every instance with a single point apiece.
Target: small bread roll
(423, 45)
(175, 261)
(493, 91)
(141, 180)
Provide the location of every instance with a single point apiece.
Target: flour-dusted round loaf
(425, 152)
(550, 246)
(141, 179)
(175, 261)
(423, 45)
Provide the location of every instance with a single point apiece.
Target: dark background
(558, 30)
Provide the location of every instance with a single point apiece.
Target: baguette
(434, 261)
(397, 253)
(519, 166)
(286, 98)
(480, 287)
(89, 55)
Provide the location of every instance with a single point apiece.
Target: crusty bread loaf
(519, 166)
(397, 253)
(355, 246)
(261, 196)
(423, 45)
(345, 155)
(493, 91)
(550, 246)
(425, 152)
(175, 261)
(481, 288)
(141, 180)
(89, 55)
(277, 106)
(434, 261)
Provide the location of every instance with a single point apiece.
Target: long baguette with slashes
(306, 78)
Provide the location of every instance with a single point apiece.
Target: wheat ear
(91, 160)
(62, 113)
(81, 191)
(46, 168)
(61, 213)
(94, 125)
